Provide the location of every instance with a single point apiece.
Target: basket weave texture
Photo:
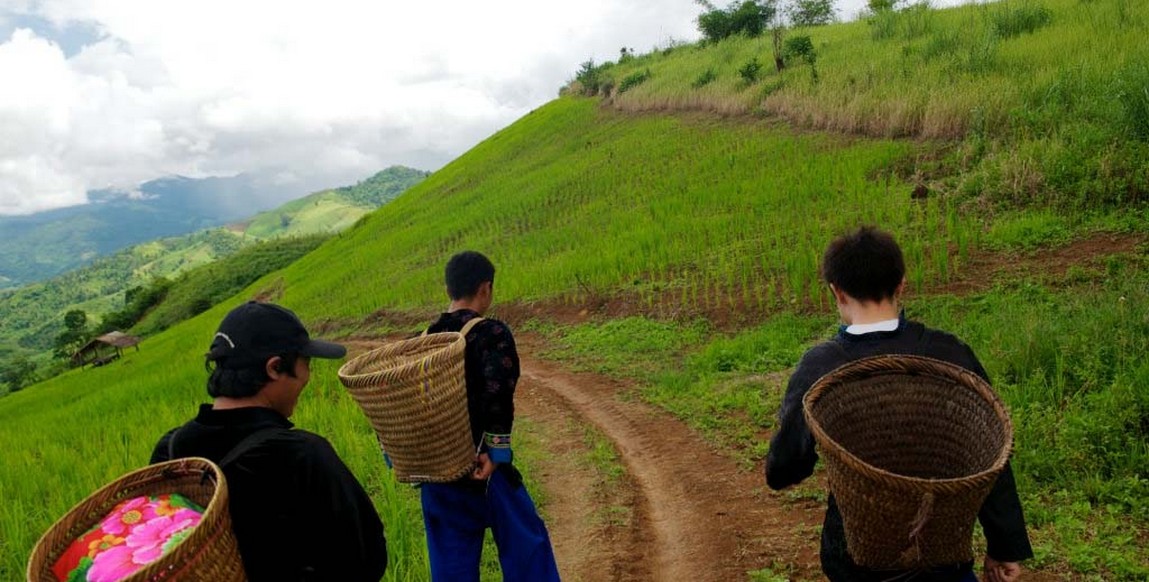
(912, 447)
(208, 554)
(414, 392)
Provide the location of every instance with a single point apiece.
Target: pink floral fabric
(137, 532)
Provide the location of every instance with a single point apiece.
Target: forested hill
(39, 246)
(32, 316)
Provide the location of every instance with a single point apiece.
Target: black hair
(244, 381)
(866, 264)
(466, 271)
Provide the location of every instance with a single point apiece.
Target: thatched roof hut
(104, 349)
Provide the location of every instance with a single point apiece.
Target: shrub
(592, 77)
(799, 47)
(704, 79)
(883, 24)
(1133, 94)
(917, 19)
(749, 71)
(1008, 21)
(633, 80)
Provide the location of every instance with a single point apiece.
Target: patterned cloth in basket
(137, 532)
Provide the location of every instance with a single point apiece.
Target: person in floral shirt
(457, 514)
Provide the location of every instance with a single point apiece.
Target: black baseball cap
(254, 332)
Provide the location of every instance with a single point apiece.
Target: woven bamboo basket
(414, 393)
(912, 447)
(208, 554)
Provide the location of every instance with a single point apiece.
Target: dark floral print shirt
(492, 368)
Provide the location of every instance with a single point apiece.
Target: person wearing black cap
(298, 512)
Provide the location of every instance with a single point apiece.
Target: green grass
(1046, 100)
(1069, 362)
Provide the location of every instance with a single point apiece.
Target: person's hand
(996, 571)
(483, 468)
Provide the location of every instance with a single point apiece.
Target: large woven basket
(912, 447)
(208, 554)
(414, 393)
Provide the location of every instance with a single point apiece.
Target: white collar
(862, 328)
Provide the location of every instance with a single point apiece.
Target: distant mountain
(39, 246)
(334, 210)
(32, 315)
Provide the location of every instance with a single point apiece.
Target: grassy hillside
(691, 220)
(199, 289)
(1039, 101)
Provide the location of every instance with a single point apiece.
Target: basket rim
(920, 365)
(443, 340)
(42, 554)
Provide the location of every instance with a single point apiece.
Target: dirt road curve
(698, 517)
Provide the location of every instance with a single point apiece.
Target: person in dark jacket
(457, 514)
(866, 273)
(298, 512)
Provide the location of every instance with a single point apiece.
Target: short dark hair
(243, 381)
(466, 271)
(866, 264)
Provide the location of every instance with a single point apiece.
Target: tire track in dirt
(699, 516)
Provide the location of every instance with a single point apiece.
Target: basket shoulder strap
(466, 327)
(246, 444)
(470, 324)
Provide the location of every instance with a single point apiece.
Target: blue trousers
(456, 518)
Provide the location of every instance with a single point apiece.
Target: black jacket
(298, 512)
(792, 455)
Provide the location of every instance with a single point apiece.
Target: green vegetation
(331, 211)
(1035, 134)
(118, 291)
(31, 317)
(1044, 103)
(195, 291)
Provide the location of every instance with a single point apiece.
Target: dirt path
(698, 516)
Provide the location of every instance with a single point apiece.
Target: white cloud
(302, 94)
(319, 93)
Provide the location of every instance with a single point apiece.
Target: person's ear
(900, 289)
(839, 296)
(274, 367)
(486, 289)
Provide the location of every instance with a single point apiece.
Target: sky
(301, 94)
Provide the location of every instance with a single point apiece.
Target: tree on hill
(384, 186)
(811, 12)
(748, 17)
(17, 373)
(75, 334)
